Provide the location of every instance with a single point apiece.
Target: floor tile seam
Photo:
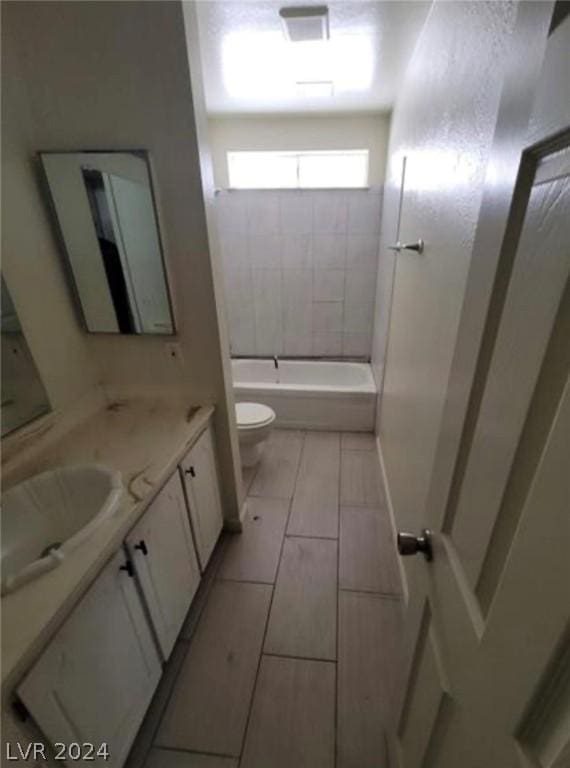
(266, 627)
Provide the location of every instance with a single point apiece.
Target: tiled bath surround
(300, 270)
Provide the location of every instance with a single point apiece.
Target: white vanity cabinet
(162, 551)
(95, 680)
(200, 475)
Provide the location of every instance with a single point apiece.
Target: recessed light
(305, 23)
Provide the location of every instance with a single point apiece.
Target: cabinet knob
(142, 547)
(191, 471)
(128, 567)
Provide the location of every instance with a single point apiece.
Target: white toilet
(254, 423)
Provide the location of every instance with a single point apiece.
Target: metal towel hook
(417, 247)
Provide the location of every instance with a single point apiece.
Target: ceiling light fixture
(305, 23)
(314, 89)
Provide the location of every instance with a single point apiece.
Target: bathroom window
(298, 170)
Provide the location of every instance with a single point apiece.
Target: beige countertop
(144, 440)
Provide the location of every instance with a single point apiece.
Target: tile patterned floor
(288, 654)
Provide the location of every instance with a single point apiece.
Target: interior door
(162, 550)
(487, 679)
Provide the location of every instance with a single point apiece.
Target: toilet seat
(253, 415)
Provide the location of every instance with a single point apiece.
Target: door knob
(418, 247)
(408, 544)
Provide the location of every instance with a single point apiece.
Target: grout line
(300, 658)
(257, 671)
(245, 581)
(273, 498)
(196, 752)
(371, 593)
(309, 536)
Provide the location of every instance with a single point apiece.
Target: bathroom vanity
(84, 644)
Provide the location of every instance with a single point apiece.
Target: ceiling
(249, 67)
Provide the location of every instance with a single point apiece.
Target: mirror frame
(145, 155)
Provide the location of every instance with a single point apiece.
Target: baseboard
(236, 526)
(403, 577)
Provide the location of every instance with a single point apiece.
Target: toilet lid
(253, 415)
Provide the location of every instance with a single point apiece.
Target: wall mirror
(23, 395)
(105, 209)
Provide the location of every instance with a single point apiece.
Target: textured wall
(300, 270)
(70, 66)
(443, 124)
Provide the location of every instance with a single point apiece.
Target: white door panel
(536, 287)
(487, 667)
(95, 680)
(200, 476)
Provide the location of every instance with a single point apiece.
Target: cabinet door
(200, 475)
(95, 680)
(162, 551)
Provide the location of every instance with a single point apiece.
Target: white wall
(443, 124)
(97, 75)
(299, 133)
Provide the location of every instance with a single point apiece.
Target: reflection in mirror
(23, 395)
(105, 209)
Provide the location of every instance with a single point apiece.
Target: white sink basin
(47, 516)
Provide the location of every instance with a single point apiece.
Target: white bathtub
(310, 394)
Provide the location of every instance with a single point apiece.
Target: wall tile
(296, 213)
(327, 317)
(262, 213)
(329, 251)
(296, 251)
(360, 287)
(364, 213)
(330, 212)
(356, 344)
(362, 252)
(296, 282)
(264, 251)
(234, 250)
(267, 300)
(297, 287)
(231, 213)
(239, 295)
(328, 284)
(358, 317)
(327, 344)
(297, 311)
(296, 340)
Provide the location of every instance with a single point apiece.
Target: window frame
(299, 155)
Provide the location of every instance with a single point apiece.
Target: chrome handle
(408, 544)
(417, 247)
